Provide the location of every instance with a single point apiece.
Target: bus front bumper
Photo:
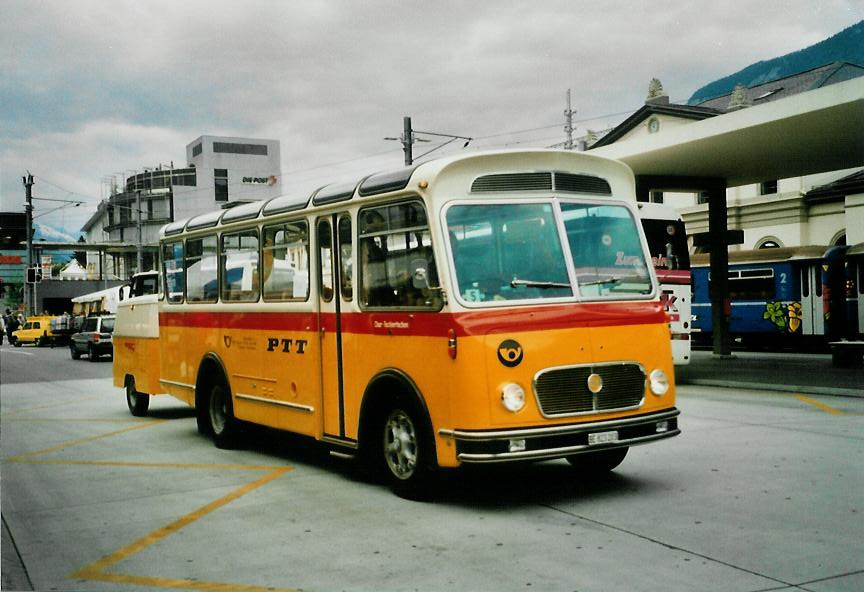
(491, 446)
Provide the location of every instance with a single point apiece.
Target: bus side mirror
(420, 277)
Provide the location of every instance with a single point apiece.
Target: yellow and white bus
(485, 308)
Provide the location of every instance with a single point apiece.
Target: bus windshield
(507, 252)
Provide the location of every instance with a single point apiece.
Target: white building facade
(221, 172)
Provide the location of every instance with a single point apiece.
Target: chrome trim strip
(260, 378)
(191, 387)
(296, 406)
(559, 429)
(354, 445)
(559, 452)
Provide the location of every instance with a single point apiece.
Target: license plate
(602, 437)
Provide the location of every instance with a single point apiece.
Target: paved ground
(785, 372)
(762, 491)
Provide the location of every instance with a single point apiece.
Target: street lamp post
(28, 209)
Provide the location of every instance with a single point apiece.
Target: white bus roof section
(811, 132)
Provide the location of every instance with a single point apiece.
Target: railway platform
(804, 373)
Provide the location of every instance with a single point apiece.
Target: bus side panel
(423, 359)
(138, 357)
(136, 345)
(279, 366)
(178, 361)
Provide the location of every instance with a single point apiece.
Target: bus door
(331, 233)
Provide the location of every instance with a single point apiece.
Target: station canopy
(812, 132)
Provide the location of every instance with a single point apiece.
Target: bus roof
(525, 171)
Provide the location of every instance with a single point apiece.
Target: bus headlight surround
(658, 382)
(513, 397)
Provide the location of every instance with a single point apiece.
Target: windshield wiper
(610, 280)
(535, 284)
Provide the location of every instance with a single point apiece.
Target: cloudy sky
(91, 89)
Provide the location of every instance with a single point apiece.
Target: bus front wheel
(600, 462)
(137, 402)
(223, 424)
(406, 451)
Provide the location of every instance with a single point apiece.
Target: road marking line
(75, 420)
(144, 465)
(96, 570)
(19, 457)
(16, 351)
(818, 405)
(14, 412)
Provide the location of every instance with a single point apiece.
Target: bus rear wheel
(224, 427)
(406, 453)
(137, 402)
(598, 463)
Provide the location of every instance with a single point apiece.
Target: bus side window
(285, 261)
(397, 262)
(173, 271)
(240, 266)
(346, 276)
(201, 269)
(325, 260)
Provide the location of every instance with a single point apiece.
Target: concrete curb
(786, 388)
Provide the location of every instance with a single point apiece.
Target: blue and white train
(796, 297)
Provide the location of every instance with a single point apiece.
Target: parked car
(94, 338)
(37, 330)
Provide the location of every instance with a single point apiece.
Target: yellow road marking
(96, 570)
(818, 405)
(51, 406)
(76, 420)
(144, 465)
(65, 445)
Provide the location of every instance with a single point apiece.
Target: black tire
(406, 452)
(224, 427)
(137, 401)
(92, 355)
(16, 343)
(598, 463)
(76, 355)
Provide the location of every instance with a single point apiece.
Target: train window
(752, 284)
(860, 263)
(805, 282)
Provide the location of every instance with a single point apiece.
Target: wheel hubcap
(218, 410)
(400, 444)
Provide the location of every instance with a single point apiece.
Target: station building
(816, 209)
(221, 172)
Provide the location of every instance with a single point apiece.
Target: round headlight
(513, 397)
(659, 382)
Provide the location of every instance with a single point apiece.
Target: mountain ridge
(845, 46)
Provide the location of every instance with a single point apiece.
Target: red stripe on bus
(666, 276)
(429, 323)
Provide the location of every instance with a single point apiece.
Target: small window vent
(582, 184)
(513, 182)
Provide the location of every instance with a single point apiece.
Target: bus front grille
(564, 390)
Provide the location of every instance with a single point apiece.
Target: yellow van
(37, 330)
